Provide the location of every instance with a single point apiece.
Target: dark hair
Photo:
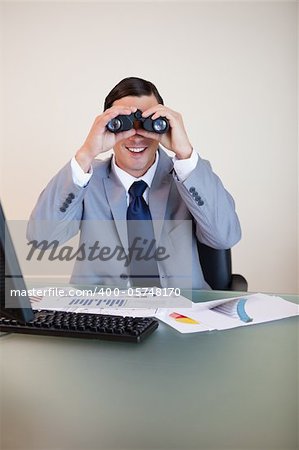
(132, 86)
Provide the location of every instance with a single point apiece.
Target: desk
(234, 389)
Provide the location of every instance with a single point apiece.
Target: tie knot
(137, 188)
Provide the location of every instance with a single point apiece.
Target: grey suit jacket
(182, 212)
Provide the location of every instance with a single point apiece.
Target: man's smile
(138, 149)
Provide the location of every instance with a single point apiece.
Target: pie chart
(183, 319)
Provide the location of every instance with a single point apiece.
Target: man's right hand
(99, 139)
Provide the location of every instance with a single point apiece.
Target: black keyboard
(94, 326)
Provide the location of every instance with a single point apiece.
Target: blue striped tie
(144, 271)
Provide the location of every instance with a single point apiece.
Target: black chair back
(217, 269)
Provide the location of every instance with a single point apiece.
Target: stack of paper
(228, 313)
(180, 313)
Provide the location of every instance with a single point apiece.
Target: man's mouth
(136, 149)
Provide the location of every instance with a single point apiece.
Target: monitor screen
(11, 280)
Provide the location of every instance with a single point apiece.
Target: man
(180, 197)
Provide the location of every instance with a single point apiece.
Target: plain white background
(230, 68)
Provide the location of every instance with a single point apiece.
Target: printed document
(177, 311)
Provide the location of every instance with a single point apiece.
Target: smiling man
(173, 201)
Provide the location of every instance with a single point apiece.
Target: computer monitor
(11, 279)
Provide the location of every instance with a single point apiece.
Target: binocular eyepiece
(126, 122)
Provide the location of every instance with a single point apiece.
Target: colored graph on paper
(234, 309)
(183, 319)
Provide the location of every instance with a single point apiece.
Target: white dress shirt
(182, 167)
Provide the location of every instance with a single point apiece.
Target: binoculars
(125, 123)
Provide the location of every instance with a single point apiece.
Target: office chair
(217, 269)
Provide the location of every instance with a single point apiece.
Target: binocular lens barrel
(159, 125)
(114, 125)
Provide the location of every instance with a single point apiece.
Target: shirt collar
(127, 180)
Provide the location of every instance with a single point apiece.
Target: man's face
(136, 154)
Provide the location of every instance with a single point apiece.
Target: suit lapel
(117, 200)
(159, 192)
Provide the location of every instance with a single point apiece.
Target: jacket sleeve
(213, 208)
(59, 209)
